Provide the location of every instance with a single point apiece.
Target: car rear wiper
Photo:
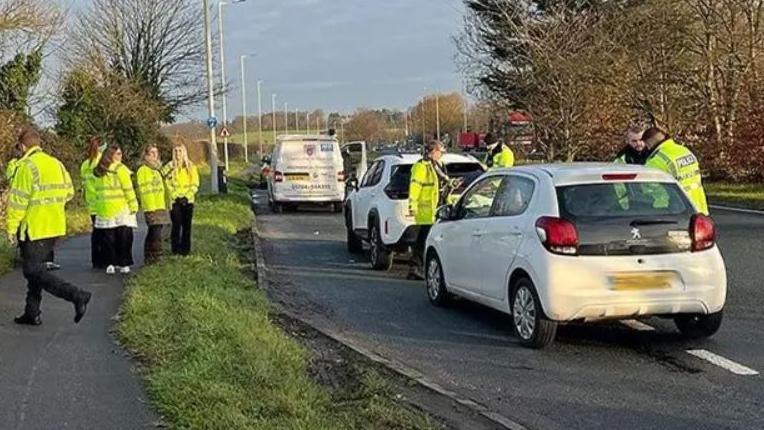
(640, 222)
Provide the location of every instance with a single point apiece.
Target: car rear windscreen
(628, 218)
(401, 176)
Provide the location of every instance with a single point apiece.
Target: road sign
(212, 122)
(224, 132)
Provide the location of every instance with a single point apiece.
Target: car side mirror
(445, 213)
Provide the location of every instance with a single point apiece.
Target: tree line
(585, 69)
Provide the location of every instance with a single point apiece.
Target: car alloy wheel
(434, 280)
(524, 313)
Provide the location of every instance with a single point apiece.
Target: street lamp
(260, 117)
(211, 100)
(307, 122)
(273, 119)
(244, 106)
(296, 120)
(222, 74)
(286, 118)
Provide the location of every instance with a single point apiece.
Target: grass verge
(750, 196)
(213, 358)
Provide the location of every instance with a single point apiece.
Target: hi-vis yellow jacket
(681, 163)
(88, 182)
(39, 191)
(505, 158)
(424, 192)
(181, 182)
(114, 192)
(151, 190)
(10, 169)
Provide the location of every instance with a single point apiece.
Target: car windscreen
(627, 218)
(401, 175)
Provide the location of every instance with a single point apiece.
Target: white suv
(376, 209)
(561, 243)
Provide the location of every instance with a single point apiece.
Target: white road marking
(637, 325)
(741, 210)
(737, 369)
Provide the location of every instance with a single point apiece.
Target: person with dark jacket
(635, 151)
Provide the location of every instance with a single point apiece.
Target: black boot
(25, 319)
(81, 305)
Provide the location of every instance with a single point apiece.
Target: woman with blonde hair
(152, 195)
(116, 209)
(182, 180)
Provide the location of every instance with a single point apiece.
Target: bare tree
(157, 44)
(25, 25)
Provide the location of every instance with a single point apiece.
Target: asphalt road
(594, 377)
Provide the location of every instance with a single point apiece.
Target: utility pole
(307, 122)
(244, 107)
(286, 118)
(296, 121)
(260, 117)
(406, 122)
(211, 101)
(273, 114)
(466, 103)
(223, 80)
(437, 113)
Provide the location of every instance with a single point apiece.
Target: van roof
(305, 138)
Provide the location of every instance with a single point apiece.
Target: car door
(503, 234)
(462, 236)
(354, 159)
(365, 194)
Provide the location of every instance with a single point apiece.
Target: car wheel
(435, 281)
(379, 256)
(530, 324)
(699, 326)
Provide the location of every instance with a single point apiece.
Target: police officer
(679, 162)
(39, 191)
(428, 178)
(635, 151)
(500, 156)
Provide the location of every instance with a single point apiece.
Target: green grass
(742, 195)
(77, 222)
(213, 358)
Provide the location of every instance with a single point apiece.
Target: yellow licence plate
(297, 176)
(641, 281)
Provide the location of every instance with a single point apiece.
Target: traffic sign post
(212, 122)
(224, 132)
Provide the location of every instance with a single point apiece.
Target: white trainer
(124, 270)
(111, 270)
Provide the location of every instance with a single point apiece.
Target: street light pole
(466, 103)
(211, 100)
(307, 122)
(223, 80)
(244, 107)
(286, 118)
(273, 119)
(296, 121)
(437, 114)
(260, 117)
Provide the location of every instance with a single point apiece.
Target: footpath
(62, 375)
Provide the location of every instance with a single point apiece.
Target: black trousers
(182, 215)
(152, 248)
(118, 246)
(97, 256)
(417, 251)
(34, 255)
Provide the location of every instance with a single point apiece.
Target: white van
(306, 169)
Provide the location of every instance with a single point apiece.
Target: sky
(340, 55)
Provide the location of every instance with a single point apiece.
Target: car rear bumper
(577, 288)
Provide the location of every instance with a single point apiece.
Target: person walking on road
(153, 199)
(182, 180)
(36, 217)
(116, 209)
(635, 151)
(89, 192)
(427, 180)
(679, 162)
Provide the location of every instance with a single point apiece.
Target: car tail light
(702, 232)
(558, 235)
(341, 176)
(619, 176)
(278, 176)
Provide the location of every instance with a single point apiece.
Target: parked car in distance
(553, 244)
(376, 209)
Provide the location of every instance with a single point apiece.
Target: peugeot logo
(636, 234)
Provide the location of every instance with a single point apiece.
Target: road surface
(604, 376)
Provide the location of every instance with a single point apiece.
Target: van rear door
(311, 167)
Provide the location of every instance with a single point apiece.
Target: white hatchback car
(552, 244)
(376, 209)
